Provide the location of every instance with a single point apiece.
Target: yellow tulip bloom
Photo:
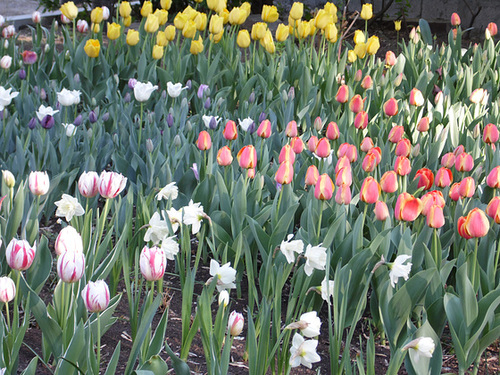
(258, 30)
(216, 24)
(96, 15)
(216, 5)
(132, 37)
(95, 27)
(190, 12)
(351, 56)
(157, 52)
(114, 30)
(331, 33)
(161, 39)
(359, 37)
(360, 50)
(225, 15)
(322, 19)
(127, 21)
(367, 11)
(372, 45)
(243, 38)
(216, 37)
(125, 9)
(180, 21)
(69, 9)
(269, 42)
(201, 21)
(147, 8)
(92, 48)
(189, 30)
(152, 24)
(196, 46)
(162, 15)
(282, 33)
(397, 25)
(297, 11)
(237, 16)
(170, 32)
(166, 4)
(247, 8)
(269, 13)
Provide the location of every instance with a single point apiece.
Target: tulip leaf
(31, 369)
(156, 343)
(113, 362)
(39, 271)
(425, 31)
(68, 363)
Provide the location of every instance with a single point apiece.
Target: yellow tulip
(216, 37)
(92, 48)
(166, 4)
(201, 21)
(147, 8)
(127, 21)
(359, 37)
(216, 5)
(189, 29)
(297, 11)
(95, 28)
(351, 56)
(190, 12)
(367, 11)
(303, 29)
(161, 38)
(237, 16)
(180, 21)
(170, 32)
(69, 9)
(331, 33)
(216, 24)
(372, 45)
(162, 15)
(269, 42)
(225, 15)
(196, 46)
(360, 50)
(125, 9)
(246, 8)
(132, 37)
(397, 25)
(282, 33)
(258, 30)
(96, 15)
(157, 52)
(113, 30)
(322, 19)
(269, 13)
(312, 28)
(330, 8)
(152, 24)
(243, 38)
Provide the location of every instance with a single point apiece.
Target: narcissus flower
(289, 248)
(315, 258)
(399, 269)
(68, 207)
(309, 324)
(423, 347)
(303, 352)
(169, 191)
(407, 207)
(225, 275)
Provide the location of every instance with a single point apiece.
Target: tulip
(459, 150)
(425, 178)
(39, 183)
(443, 178)
(69, 10)
(372, 45)
(204, 141)
(454, 192)
(243, 39)
(423, 124)
(264, 129)
(287, 154)
(196, 46)
(356, 103)
(464, 162)
(147, 8)
(125, 9)
(291, 130)
(391, 107)
(143, 91)
(230, 132)
(396, 134)
(490, 133)
(8, 179)
(367, 82)
(82, 26)
(36, 17)
(297, 145)
(359, 75)
(284, 174)
(96, 15)
(247, 157)
(332, 131)
(68, 240)
(29, 57)
(282, 33)
(407, 207)
(360, 50)
(224, 157)
(114, 31)
(71, 266)
(323, 148)
(476, 223)
(367, 11)
(435, 217)
(344, 176)
(492, 28)
(493, 209)
(6, 62)
(455, 19)
(297, 11)
(493, 178)
(312, 143)
(324, 188)
(448, 160)
(366, 144)
(346, 149)
(361, 120)
(96, 296)
(467, 187)
(390, 58)
(269, 13)
(416, 98)
(235, 323)
(200, 21)
(381, 211)
(19, 254)
(389, 182)
(370, 190)
(132, 37)
(111, 184)
(7, 289)
(312, 175)
(461, 228)
(402, 166)
(371, 160)
(343, 194)
(342, 95)
(432, 198)
(152, 263)
(92, 48)
(479, 96)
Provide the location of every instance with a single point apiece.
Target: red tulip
(312, 143)
(490, 133)
(461, 228)
(230, 131)
(343, 195)
(367, 82)
(361, 120)
(396, 134)
(493, 179)
(370, 190)
(402, 166)
(312, 175)
(423, 125)
(323, 148)
(416, 98)
(366, 144)
(476, 223)
(425, 178)
(247, 157)
(287, 154)
(455, 19)
(297, 145)
(284, 174)
(264, 129)
(454, 192)
(391, 107)
(432, 198)
(464, 162)
(324, 187)
(435, 217)
(467, 187)
(448, 160)
(342, 94)
(332, 131)
(291, 129)
(346, 149)
(493, 209)
(224, 157)
(390, 58)
(407, 207)
(356, 104)
(389, 182)
(204, 141)
(403, 147)
(443, 178)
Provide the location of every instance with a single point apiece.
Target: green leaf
(113, 362)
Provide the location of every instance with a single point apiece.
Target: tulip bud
(235, 323)
(32, 123)
(223, 298)
(291, 129)
(402, 166)
(342, 95)
(224, 157)
(39, 183)
(359, 75)
(312, 143)
(332, 131)
(343, 194)
(6, 62)
(318, 124)
(312, 175)
(324, 188)
(284, 174)
(70, 266)
(455, 19)
(370, 190)
(19, 254)
(297, 145)
(152, 262)
(356, 104)
(396, 134)
(464, 162)
(22, 74)
(381, 211)
(490, 133)
(403, 147)
(247, 157)
(361, 120)
(367, 82)
(8, 179)
(7, 289)
(391, 107)
(96, 296)
(423, 124)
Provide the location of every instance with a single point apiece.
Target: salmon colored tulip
(324, 187)
(287, 154)
(264, 129)
(370, 190)
(461, 228)
(204, 141)
(490, 133)
(344, 176)
(381, 211)
(346, 149)
(284, 174)
(464, 162)
(432, 198)
(493, 209)
(444, 177)
(416, 98)
(467, 187)
(361, 120)
(454, 192)
(459, 150)
(492, 28)
(343, 162)
(297, 145)
(332, 131)
(391, 107)
(343, 195)
(251, 172)
(396, 134)
(318, 124)
(493, 178)
(224, 157)
(342, 95)
(359, 75)
(476, 223)
(366, 144)
(356, 104)
(423, 125)
(312, 143)
(247, 157)
(367, 82)
(390, 58)
(369, 163)
(435, 216)
(230, 131)
(323, 148)
(403, 147)
(407, 207)
(291, 129)
(402, 166)
(425, 178)
(312, 175)
(389, 182)
(448, 160)
(455, 19)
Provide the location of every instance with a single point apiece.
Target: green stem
(140, 128)
(474, 264)
(98, 339)
(436, 255)
(15, 307)
(7, 315)
(74, 34)
(319, 221)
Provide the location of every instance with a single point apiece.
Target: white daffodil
(327, 290)
(422, 346)
(170, 191)
(315, 259)
(289, 248)
(68, 207)
(193, 215)
(143, 91)
(207, 119)
(170, 247)
(303, 352)
(174, 89)
(45, 111)
(398, 269)
(309, 324)
(224, 274)
(175, 217)
(6, 97)
(158, 229)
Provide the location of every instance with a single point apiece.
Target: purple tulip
(251, 98)
(92, 117)
(189, 84)
(170, 120)
(78, 120)
(127, 98)
(262, 117)
(48, 122)
(207, 103)
(131, 83)
(213, 123)
(32, 123)
(105, 117)
(201, 90)
(22, 74)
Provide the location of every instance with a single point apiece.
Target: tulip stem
(7, 314)
(437, 257)
(140, 128)
(74, 34)
(496, 257)
(474, 264)
(320, 218)
(15, 312)
(98, 340)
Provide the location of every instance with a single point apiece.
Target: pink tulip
(88, 184)
(19, 254)
(70, 266)
(111, 184)
(152, 262)
(96, 296)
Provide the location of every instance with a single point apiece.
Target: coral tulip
(323, 148)
(356, 104)
(287, 154)
(204, 141)
(407, 207)
(464, 162)
(346, 149)
(297, 145)
(224, 157)
(396, 134)
(312, 175)
(230, 131)
(284, 174)
(291, 129)
(361, 120)
(455, 19)
(390, 58)
(344, 176)
(493, 209)
(391, 107)
(343, 162)
(324, 187)
(467, 187)
(312, 143)
(492, 28)
(416, 98)
(403, 147)
(389, 182)
(402, 166)
(367, 82)
(423, 125)
(490, 133)
(443, 178)
(343, 194)
(332, 131)
(493, 178)
(476, 223)
(342, 95)
(425, 178)
(366, 144)
(264, 129)
(454, 192)
(432, 198)
(448, 160)
(247, 157)
(370, 190)
(435, 216)
(381, 211)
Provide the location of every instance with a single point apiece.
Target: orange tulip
(476, 223)
(247, 157)
(407, 207)
(324, 187)
(444, 177)
(264, 129)
(284, 174)
(204, 141)
(389, 182)
(402, 166)
(425, 178)
(332, 131)
(370, 190)
(287, 154)
(343, 195)
(323, 148)
(224, 157)
(230, 131)
(312, 175)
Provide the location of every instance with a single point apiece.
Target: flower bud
(8, 179)
(96, 296)
(235, 323)
(223, 298)
(7, 289)
(71, 266)
(19, 254)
